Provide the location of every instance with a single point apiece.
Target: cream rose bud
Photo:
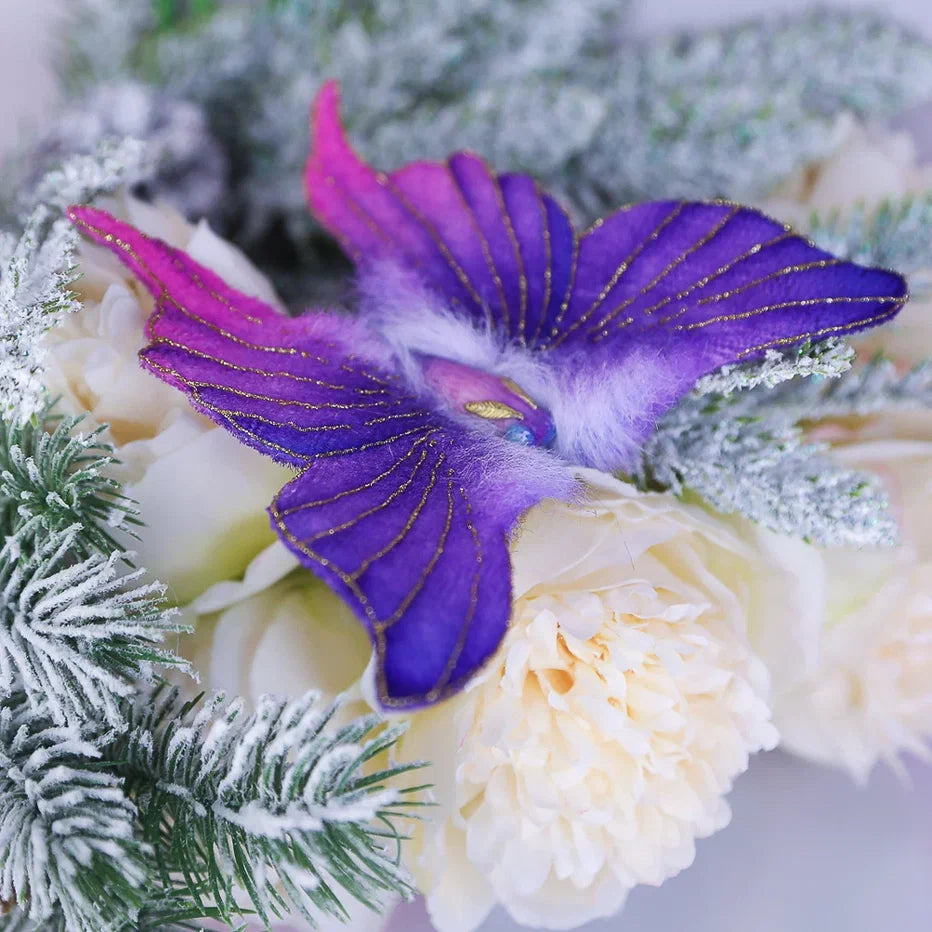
(597, 746)
(202, 493)
(868, 696)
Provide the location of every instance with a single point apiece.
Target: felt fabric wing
(702, 285)
(497, 249)
(403, 511)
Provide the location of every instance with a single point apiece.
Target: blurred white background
(806, 850)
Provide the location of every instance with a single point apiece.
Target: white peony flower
(202, 493)
(868, 697)
(599, 744)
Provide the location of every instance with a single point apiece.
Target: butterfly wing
(727, 279)
(628, 315)
(390, 506)
(496, 249)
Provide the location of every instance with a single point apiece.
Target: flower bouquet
(484, 576)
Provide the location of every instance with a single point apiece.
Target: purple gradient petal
(403, 511)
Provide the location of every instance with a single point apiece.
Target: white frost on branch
(37, 270)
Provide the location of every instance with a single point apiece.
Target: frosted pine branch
(37, 269)
(761, 466)
(76, 636)
(828, 359)
(737, 442)
(51, 473)
(270, 811)
(896, 234)
(67, 834)
(726, 112)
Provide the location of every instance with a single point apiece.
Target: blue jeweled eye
(518, 433)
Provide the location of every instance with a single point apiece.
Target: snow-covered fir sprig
(76, 636)
(52, 473)
(828, 359)
(196, 811)
(276, 810)
(725, 112)
(37, 269)
(896, 233)
(761, 465)
(737, 442)
(68, 842)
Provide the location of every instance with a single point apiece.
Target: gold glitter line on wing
(750, 252)
(548, 265)
(568, 292)
(395, 494)
(840, 328)
(165, 297)
(483, 244)
(616, 276)
(237, 367)
(293, 425)
(350, 584)
(358, 209)
(291, 454)
(779, 273)
(754, 250)
(416, 590)
(371, 483)
(406, 529)
(707, 237)
(222, 299)
(782, 305)
(519, 262)
(386, 182)
(192, 383)
(466, 626)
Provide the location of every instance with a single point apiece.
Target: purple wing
(641, 305)
(494, 248)
(389, 507)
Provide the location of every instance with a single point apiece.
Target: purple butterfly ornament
(495, 347)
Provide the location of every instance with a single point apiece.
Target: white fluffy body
(602, 409)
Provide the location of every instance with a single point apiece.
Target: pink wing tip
(95, 223)
(328, 140)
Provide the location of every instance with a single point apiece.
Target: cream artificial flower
(868, 696)
(867, 167)
(202, 493)
(279, 630)
(601, 740)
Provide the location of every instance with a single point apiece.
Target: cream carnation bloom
(202, 493)
(599, 744)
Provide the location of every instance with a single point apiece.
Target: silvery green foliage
(896, 234)
(277, 803)
(734, 112)
(557, 89)
(152, 826)
(53, 475)
(76, 637)
(183, 160)
(36, 270)
(828, 359)
(741, 448)
(67, 833)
